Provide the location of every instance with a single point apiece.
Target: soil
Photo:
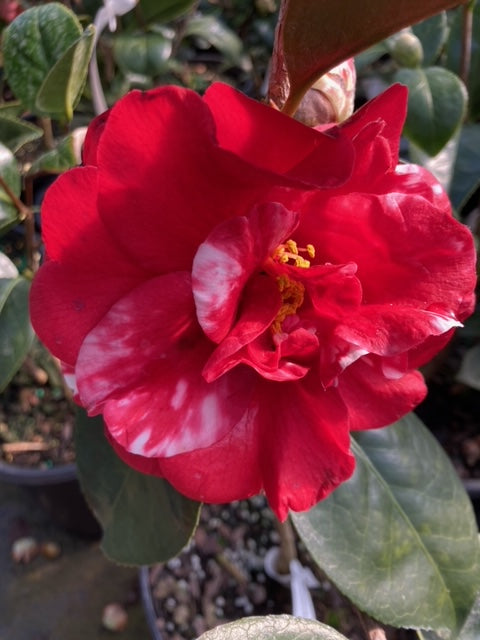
(220, 577)
(37, 415)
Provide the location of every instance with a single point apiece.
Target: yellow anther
(293, 294)
(290, 251)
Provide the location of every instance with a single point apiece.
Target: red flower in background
(236, 292)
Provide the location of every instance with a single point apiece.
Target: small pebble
(114, 617)
(24, 550)
(50, 550)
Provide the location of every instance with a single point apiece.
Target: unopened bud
(406, 49)
(331, 98)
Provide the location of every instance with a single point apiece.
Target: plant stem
(49, 140)
(26, 216)
(287, 551)
(466, 52)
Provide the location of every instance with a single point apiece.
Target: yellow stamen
(293, 294)
(290, 251)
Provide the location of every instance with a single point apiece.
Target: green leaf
(466, 172)
(57, 160)
(144, 54)
(280, 627)
(163, 10)
(315, 36)
(11, 175)
(16, 333)
(437, 101)
(33, 45)
(433, 34)
(469, 372)
(400, 537)
(15, 133)
(63, 86)
(144, 519)
(213, 31)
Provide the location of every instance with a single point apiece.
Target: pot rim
(26, 476)
(147, 602)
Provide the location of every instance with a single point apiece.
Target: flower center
(289, 253)
(292, 297)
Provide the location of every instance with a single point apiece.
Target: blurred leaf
(15, 133)
(433, 34)
(57, 160)
(454, 54)
(399, 538)
(10, 173)
(281, 627)
(371, 55)
(144, 54)
(62, 88)
(144, 519)
(469, 372)
(213, 31)
(11, 109)
(33, 44)
(466, 172)
(437, 101)
(316, 36)
(441, 164)
(16, 333)
(164, 10)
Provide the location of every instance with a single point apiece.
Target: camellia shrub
(241, 295)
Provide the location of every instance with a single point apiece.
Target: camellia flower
(236, 292)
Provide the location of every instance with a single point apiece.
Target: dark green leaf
(144, 519)
(437, 101)
(57, 160)
(145, 54)
(400, 537)
(316, 36)
(466, 172)
(214, 32)
(11, 175)
(433, 34)
(268, 627)
(16, 333)
(164, 10)
(33, 44)
(15, 133)
(62, 88)
(469, 372)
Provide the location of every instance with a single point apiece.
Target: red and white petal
(141, 367)
(228, 258)
(374, 400)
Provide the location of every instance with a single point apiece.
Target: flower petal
(141, 366)
(227, 259)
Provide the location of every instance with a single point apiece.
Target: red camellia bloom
(236, 292)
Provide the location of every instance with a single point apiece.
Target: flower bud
(407, 50)
(331, 97)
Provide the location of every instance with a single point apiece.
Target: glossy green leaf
(146, 54)
(470, 629)
(466, 172)
(14, 133)
(144, 519)
(163, 10)
(315, 36)
(454, 55)
(11, 175)
(62, 88)
(400, 537)
(58, 160)
(16, 333)
(33, 45)
(214, 32)
(437, 101)
(433, 34)
(268, 627)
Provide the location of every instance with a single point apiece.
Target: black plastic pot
(147, 602)
(58, 490)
